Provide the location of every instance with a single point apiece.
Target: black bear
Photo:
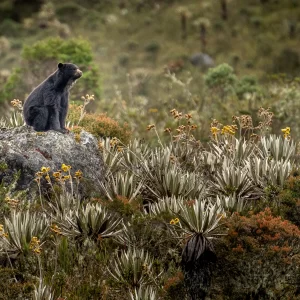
(46, 107)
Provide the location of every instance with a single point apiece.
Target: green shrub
(43, 56)
(13, 86)
(152, 47)
(289, 200)
(221, 79)
(9, 27)
(132, 45)
(56, 48)
(247, 85)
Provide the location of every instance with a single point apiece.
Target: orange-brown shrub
(259, 257)
(99, 124)
(174, 287)
(263, 231)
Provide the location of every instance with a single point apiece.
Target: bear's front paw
(64, 130)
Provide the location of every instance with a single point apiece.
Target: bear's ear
(60, 65)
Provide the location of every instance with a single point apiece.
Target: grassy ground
(251, 38)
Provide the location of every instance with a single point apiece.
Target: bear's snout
(78, 73)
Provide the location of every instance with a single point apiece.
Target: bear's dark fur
(46, 107)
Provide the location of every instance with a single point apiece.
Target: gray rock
(26, 151)
(202, 60)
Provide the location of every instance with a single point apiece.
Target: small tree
(221, 80)
(202, 24)
(185, 14)
(224, 10)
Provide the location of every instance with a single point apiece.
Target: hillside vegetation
(135, 44)
(200, 197)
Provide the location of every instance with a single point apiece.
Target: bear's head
(69, 71)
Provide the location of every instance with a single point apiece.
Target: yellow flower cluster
(174, 221)
(17, 103)
(54, 228)
(66, 177)
(286, 132)
(172, 158)
(146, 268)
(2, 232)
(184, 129)
(214, 131)
(113, 142)
(65, 168)
(35, 245)
(58, 176)
(78, 174)
(12, 202)
(61, 178)
(41, 173)
(88, 98)
(176, 114)
(153, 110)
(101, 146)
(229, 129)
(149, 127)
(45, 170)
(181, 128)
